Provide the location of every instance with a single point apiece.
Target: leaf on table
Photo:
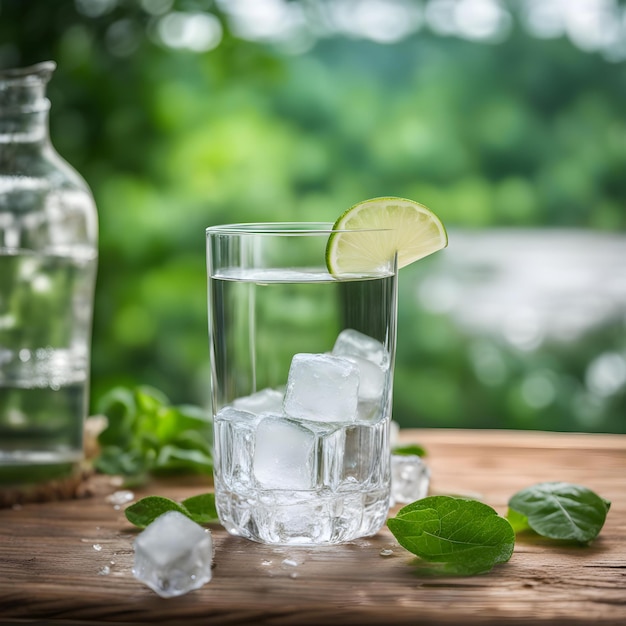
(145, 511)
(518, 521)
(560, 510)
(202, 508)
(455, 535)
(408, 450)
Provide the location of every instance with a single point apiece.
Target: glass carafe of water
(48, 258)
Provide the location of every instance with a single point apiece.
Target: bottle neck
(24, 142)
(30, 128)
(24, 106)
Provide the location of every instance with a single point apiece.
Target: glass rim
(285, 228)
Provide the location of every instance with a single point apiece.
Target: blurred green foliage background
(497, 114)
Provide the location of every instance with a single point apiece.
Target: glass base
(303, 518)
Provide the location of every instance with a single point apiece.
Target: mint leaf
(412, 449)
(202, 508)
(119, 407)
(116, 460)
(174, 459)
(518, 521)
(559, 510)
(463, 537)
(146, 510)
(146, 435)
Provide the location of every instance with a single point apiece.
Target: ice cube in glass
(372, 385)
(284, 454)
(260, 401)
(351, 342)
(173, 555)
(322, 388)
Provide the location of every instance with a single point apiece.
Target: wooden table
(70, 562)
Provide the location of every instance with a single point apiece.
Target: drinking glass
(301, 385)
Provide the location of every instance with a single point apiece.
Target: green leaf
(117, 402)
(174, 421)
(561, 510)
(195, 440)
(202, 508)
(463, 537)
(115, 460)
(119, 407)
(518, 521)
(145, 435)
(180, 460)
(409, 450)
(150, 399)
(146, 510)
(194, 414)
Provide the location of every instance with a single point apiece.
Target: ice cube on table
(260, 401)
(410, 478)
(173, 555)
(284, 454)
(352, 342)
(322, 388)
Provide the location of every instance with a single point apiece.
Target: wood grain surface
(70, 562)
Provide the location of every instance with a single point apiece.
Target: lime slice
(410, 229)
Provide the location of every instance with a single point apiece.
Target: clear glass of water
(302, 375)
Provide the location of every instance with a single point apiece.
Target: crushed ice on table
(173, 555)
(410, 478)
(120, 497)
(322, 388)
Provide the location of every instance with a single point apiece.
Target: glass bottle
(48, 259)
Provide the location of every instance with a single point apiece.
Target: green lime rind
(371, 233)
